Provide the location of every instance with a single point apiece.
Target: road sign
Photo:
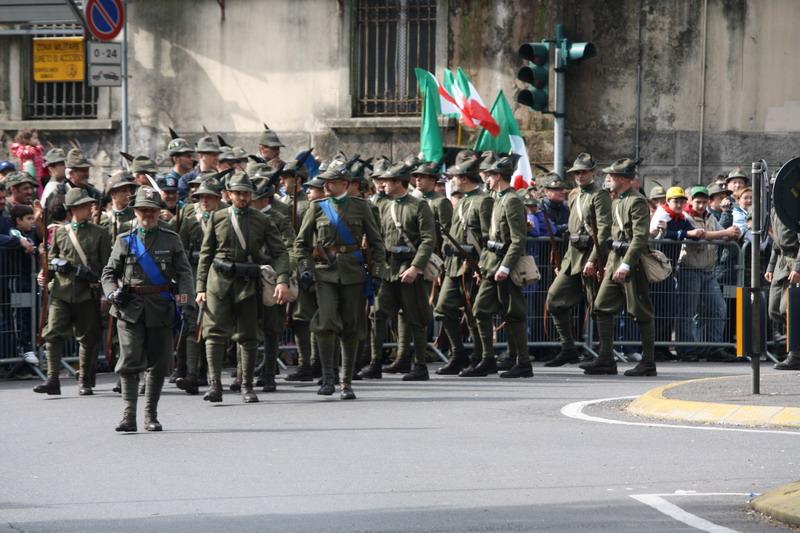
(105, 75)
(104, 18)
(104, 53)
(59, 59)
(786, 194)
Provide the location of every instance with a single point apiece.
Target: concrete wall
(286, 63)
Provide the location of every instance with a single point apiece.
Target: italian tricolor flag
(473, 111)
(433, 103)
(507, 140)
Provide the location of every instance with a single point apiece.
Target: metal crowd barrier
(688, 316)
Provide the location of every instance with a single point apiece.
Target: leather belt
(149, 289)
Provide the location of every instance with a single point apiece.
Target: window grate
(394, 37)
(59, 99)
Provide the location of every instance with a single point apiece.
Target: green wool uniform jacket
(416, 222)
(631, 210)
(472, 217)
(264, 246)
(96, 244)
(442, 214)
(165, 247)
(345, 269)
(594, 203)
(508, 226)
(116, 222)
(192, 231)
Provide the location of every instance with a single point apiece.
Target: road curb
(781, 503)
(654, 404)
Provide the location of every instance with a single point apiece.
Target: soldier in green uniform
(269, 147)
(78, 254)
(78, 173)
(409, 236)
(207, 198)
(238, 241)
(497, 293)
(470, 228)
(144, 171)
(783, 271)
(624, 281)
(292, 182)
(304, 309)
(328, 252)
(120, 188)
(139, 280)
(169, 195)
(589, 222)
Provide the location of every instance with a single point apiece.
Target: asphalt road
(451, 454)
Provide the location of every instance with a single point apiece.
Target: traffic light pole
(558, 129)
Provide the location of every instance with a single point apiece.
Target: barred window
(394, 37)
(59, 99)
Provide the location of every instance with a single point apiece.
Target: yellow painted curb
(782, 503)
(654, 404)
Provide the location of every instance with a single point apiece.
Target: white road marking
(575, 410)
(657, 502)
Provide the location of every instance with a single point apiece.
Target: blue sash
(347, 238)
(145, 260)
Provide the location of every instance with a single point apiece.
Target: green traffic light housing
(579, 51)
(536, 75)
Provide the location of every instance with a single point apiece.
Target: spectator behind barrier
(669, 221)
(744, 201)
(19, 266)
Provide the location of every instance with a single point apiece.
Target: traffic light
(536, 75)
(574, 52)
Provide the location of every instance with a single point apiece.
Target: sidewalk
(726, 401)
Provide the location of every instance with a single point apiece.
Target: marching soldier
(589, 230)
(55, 161)
(144, 171)
(409, 236)
(269, 147)
(78, 173)
(208, 159)
(624, 281)
(120, 188)
(783, 271)
(181, 155)
(239, 240)
(304, 309)
(207, 198)
(169, 195)
(470, 227)
(328, 252)
(497, 293)
(78, 254)
(145, 267)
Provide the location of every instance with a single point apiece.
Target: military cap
(207, 145)
(120, 178)
(716, 188)
(412, 161)
(269, 138)
(676, 192)
(264, 189)
(504, 166)
(6, 166)
(240, 182)
(77, 196)
(488, 159)
(179, 146)
(699, 190)
(335, 170)
(467, 167)
(553, 181)
(290, 168)
(253, 166)
(315, 183)
(147, 197)
(380, 165)
(358, 171)
(76, 159)
(427, 168)
(737, 172)
(210, 187)
(53, 156)
(142, 164)
(18, 178)
(464, 155)
(226, 154)
(168, 184)
(657, 192)
(399, 171)
(528, 199)
(240, 153)
(584, 161)
(203, 176)
(624, 167)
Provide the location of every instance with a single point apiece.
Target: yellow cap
(676, 192)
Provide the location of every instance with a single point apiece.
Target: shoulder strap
(341, 229)
(619, 217)
(238, 231)
(148, 264)
(493, 226)
(399, 226)
(77, 245)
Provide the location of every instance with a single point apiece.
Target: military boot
(188, 384)
(52, 387)
(401, 365)
(236, 384)
(303, 373)
(456, 364)
(129, 385)
(153, 394)
(127, 424)
(117, 388)
(792, 362)
(518, 371)
(248, 396)
(603, 365)
(374, 370)
(644, 368)
(418, 373)
(316, 368)
(327, 387)
(85, 389)
(488, 365)
(347, 392)
(567, 356)
(506, 362)
(214, 393)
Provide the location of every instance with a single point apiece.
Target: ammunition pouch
(240, 270)
(580, 242)
(62, 266)
(223, 267)
(400, 252)
(85, 274)
(497, 247)
(619, 247)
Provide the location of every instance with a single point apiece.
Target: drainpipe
(702, 94)
(638, 113)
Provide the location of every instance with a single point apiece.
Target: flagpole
(458, 134)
